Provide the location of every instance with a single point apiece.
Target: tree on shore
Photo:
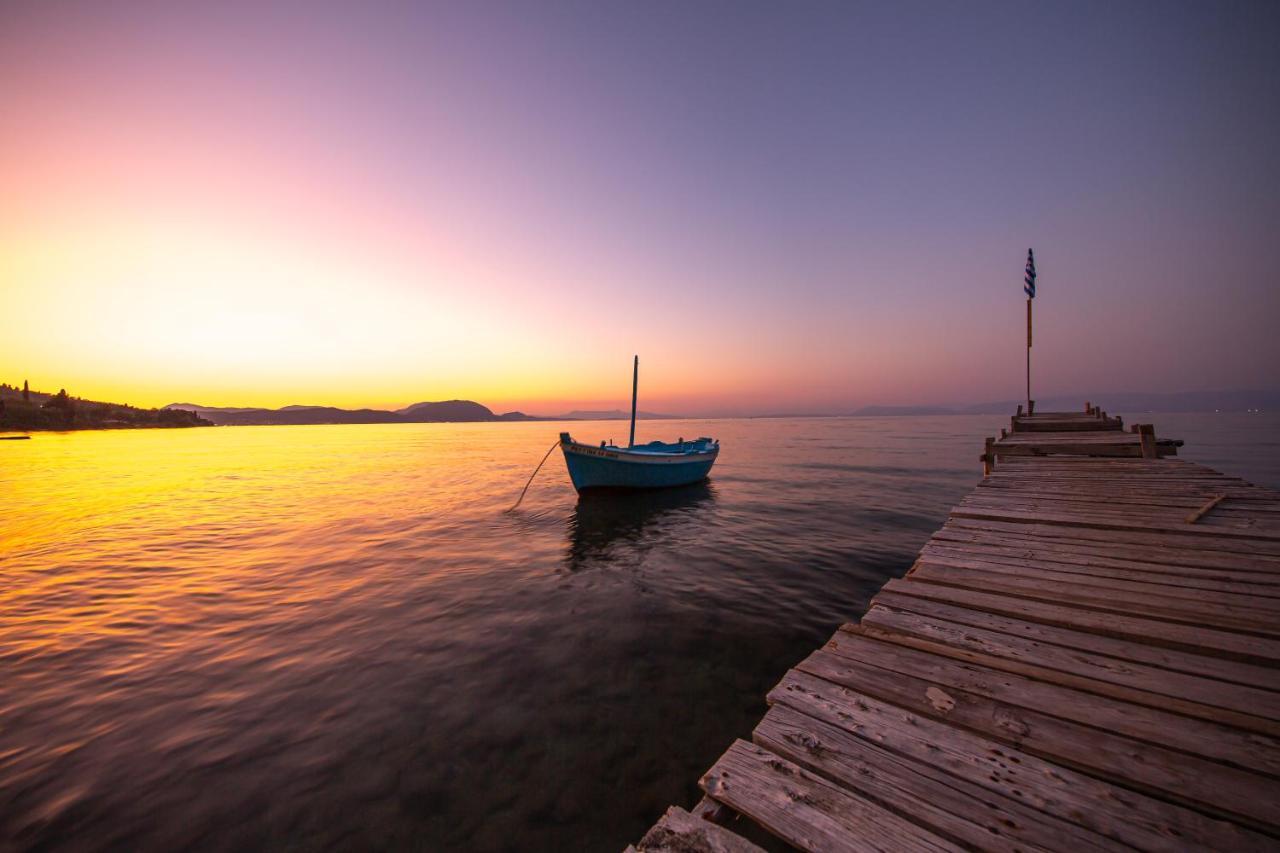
(26, 392)
(62, 403)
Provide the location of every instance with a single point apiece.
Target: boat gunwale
(623, 454)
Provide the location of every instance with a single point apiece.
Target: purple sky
(780, 206)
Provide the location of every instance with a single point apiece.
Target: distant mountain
(466, 411)
(200, 410)
(1132, 401)
(302, 415)
(1114, 403)
(891, 411)
(448, 411)
(610, 415)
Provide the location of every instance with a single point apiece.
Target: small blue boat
(654, 465)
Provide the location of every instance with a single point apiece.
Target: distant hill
(201, 410)
(1128, 401)
(611, 415)
(446, 411)
(302, 415)
(36, 410)
(1116, 403)
(890, 411)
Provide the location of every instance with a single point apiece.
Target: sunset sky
(781, 207)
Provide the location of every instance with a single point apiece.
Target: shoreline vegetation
(24, 410)
(444, 411)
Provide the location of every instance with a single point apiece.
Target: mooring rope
(531, 476)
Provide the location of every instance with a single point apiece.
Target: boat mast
(635, 384)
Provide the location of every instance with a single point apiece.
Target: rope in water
(531, 476)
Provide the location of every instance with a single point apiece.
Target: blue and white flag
(1029, 280)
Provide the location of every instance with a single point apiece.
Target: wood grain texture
(681, 832)
(947, 805)
(1086, 655)
(808, 811)
(1092, 804)
(1234, 704)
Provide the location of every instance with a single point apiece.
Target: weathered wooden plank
(1227, 521)
(1251, 596)
(1101, 436)
(1103, 522)
(1036, 468)
(1158, 550)
(1017, 475)
(945, 804)
(1209, 740)
(1214, 669)
(1139, 501)
(1242, 493)
(1014, 475)
(1111, 444)
(1244, 647)
(1161, 539)
(1131, 681)
(1255, 614)
(1012, 553)
(1135, 504)
(680, 832)
(1258, 597)
(807, 811)
(1097, 435)
(1175, 466)
(1118, 813)
(1188, 779)
(1107, 600)
(1172, 464)
(1004, 451)
(1035, 424)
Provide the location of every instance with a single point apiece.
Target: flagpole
(1029, 286)
(1028, 355)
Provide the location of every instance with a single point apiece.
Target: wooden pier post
(1147, 432)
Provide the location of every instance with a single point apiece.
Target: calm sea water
(336, 637)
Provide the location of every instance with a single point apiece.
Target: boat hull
(614, 468)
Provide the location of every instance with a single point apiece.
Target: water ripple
(337, 637)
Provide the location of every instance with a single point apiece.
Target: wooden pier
(1085, 656)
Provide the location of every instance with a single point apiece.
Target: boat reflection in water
(608, 526)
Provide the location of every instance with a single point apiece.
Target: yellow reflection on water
(151, 533)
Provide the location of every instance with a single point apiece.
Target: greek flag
(1029, 280)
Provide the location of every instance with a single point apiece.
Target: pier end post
(1148, 437)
